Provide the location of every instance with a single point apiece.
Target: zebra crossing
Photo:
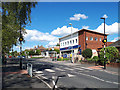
(70, 72)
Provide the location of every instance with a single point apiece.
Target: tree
(15, 15)
(31, 52)
(57, 50)
(38, 52)
(58, 44)
(87, 53)
(111, 53)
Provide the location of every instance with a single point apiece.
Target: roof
(84, 30)
(116, 44)
(41, 47)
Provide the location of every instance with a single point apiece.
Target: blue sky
(50, 20)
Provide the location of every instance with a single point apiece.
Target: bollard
(29, 69)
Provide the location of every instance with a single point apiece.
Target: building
(80, 40)
(116, 44)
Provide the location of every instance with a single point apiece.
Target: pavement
(13, 77)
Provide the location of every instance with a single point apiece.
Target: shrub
(89, 59)
(111, 54)
(87, 53)
(95, 58)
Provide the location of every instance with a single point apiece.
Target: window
(70, 42)
(86, 38)
(91, 38)
(96, 39)
(73, 41)
(63, 43)
(100, 39)
(76, 40)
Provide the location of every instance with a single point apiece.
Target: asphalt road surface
(72, 76)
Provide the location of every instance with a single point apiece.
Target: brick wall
(92, 44)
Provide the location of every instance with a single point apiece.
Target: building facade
(81, 40)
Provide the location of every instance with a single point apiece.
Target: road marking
(78, 68)
(70, 75)
(98, 78)
(69, 69)
(49, 70)
(44, 82)
(39, 72)
(108, 81)
(59, 69)
(116, 83)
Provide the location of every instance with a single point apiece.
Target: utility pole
(71, 42)
(104, 41)
(20, 39)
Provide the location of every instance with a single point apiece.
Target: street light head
(70, 23)
(102, 18)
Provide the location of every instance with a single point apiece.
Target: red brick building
(82, 39)
(90, 39)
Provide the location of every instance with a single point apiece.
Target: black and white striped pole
(104, 41)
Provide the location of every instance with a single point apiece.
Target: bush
(89, 59)
(111, 54)
(64, 59)
(95, 58)
(87, 53)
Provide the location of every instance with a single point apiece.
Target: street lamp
(20, 39)
(71, 41)
(104, 43)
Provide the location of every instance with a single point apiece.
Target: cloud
(105, 16)
(109, 29)
(35, 35)
(115, 39)
(85, 27)
(63, 31)
(78, 16)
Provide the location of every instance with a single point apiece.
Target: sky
(50, 21)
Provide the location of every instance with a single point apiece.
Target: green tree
(31, 52)
(15, 15)
(57, 50)
(87, 53)
(38, 52)
(111, 53)
(58, 44)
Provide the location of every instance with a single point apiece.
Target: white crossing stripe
(39, 72)
(79, 69)
(59, 69)
(87, 68)
(70, 75)
(69, 69)
(49, 70)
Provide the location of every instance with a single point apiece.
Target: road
(75, 75)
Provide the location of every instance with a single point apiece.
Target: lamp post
(104, 43)
(71, 41)
(20, 39)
